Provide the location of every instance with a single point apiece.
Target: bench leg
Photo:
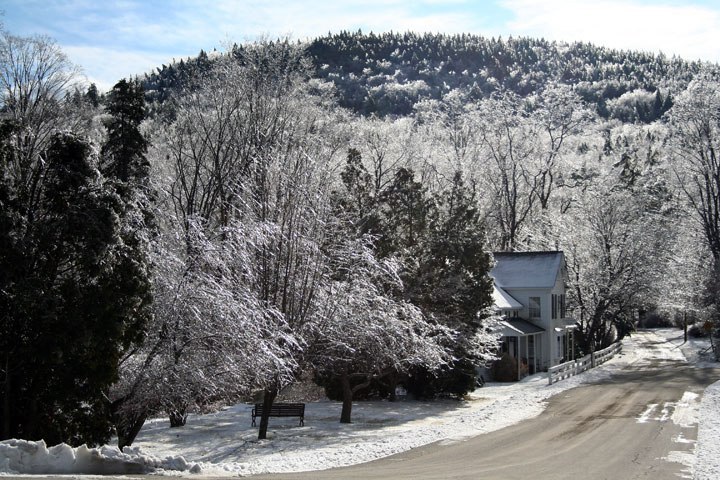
(253, 421)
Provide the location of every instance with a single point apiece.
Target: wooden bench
(281, 410)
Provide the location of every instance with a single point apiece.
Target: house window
(558, 306)
(534, 307)
(509, 346)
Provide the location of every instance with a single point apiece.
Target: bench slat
(281, 410)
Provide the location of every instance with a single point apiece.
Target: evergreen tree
(127, 172)
(441, 240)
(405, 214)
(92, 95)
(452, 284)
(123, 155)
(358, 184)
(72, 304)
(454, 266)
(360, 202)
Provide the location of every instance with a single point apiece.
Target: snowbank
(707, 449)
(706, 464)
(24, 457)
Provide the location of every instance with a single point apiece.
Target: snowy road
(639, 423)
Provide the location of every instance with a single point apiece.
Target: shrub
(505, 369)
(697, 330)
(656, 320)
(333, 388)
(455, 381)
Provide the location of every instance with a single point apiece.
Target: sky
(114, 39)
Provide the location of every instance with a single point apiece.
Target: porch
(522, 341)
(565, 341)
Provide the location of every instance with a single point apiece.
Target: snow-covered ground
(706, 463)
(223, 443)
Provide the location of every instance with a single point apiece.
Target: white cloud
(109, 66)
(692, 32)
(242, 20)
(129, 37)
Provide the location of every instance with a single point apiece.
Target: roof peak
(527, 269)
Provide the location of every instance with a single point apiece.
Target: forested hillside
(234, 222)
(388, 73)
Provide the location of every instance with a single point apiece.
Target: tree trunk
(127, 424)
(6, 414)
(129, 429)
(178, 417)
(268, 399)
(345, 415)
(349, 393)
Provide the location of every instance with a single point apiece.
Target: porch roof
(517, 327)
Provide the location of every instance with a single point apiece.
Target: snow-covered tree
(440, 240)
(248, 158)
(616, 239)
(213, 340)
(367, 330)
(509, 142)
(695, 157)
(36, 78)
(695, 122)
(560, 115)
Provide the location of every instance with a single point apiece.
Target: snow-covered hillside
(224, 443)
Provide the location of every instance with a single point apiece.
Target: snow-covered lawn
(223, 443)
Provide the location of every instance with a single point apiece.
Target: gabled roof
(527, 269)
(503, 300)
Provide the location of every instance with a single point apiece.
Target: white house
(529, 294)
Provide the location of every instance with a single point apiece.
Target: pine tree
(360, 202)
(406, 210)
(72, 304)
(127, 172)
(455, 263)
(451, 284)
(92, 95)
(123, 154)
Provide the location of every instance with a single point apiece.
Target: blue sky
(115, 39)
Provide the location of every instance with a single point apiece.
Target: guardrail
(572, 368)
(606, 354)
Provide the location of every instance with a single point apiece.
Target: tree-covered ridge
(389, 72)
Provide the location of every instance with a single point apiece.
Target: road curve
(638, 424)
